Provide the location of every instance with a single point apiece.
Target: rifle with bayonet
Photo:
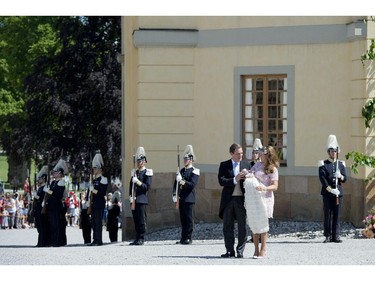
(134, 191)
(46, 189)
(177, 189)
(91, 197)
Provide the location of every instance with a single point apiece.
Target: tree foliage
(22, 39)
(74, 97)
(60, 89)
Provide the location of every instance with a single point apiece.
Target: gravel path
(290, 243)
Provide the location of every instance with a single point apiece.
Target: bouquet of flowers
(369, 222)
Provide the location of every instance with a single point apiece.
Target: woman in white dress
(262, 181)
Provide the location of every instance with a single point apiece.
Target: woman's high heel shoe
(262, 254)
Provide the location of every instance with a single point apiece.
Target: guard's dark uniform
(327, 170)
(98, 203)
(187, 202)
(112, 222)
(55, 209)
(85, 222)
(139, 214)
(41, 220)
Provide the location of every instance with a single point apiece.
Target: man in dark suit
(232, 201)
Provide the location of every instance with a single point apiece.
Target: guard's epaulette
(61, 183)
(343, 162)
(104, 180)
(149, 172)
(196, 171)
(320, 163)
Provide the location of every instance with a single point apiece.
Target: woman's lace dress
(259, 204)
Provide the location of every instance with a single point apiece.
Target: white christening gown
(255, 205)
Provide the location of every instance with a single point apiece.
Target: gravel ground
(290, 243)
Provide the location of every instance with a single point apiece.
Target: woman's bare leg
(256, 244)
(263, 249)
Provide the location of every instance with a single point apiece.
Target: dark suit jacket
(226, 177)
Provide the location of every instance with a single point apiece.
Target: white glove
(91, 187)
(135, 179)
(338, 174)
(45, 188)
(34, 195)
(131, 199)
(178, 177)
(174, 198)
(182, 182)
(335, 191)
(132, 173)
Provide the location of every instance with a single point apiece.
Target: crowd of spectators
(16, 209)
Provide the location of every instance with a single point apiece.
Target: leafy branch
(360, 159)
(368, 112)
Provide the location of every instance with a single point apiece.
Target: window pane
(249, 98)
(272, 112)
(259, 84)
(272, 98)
(259, 98)
(249, 84)
(248, 112)
(284, 112)
(272, 140)
(259, 112)
(249, 139)
(280, 125)
(272, 84)
(272, 125)
(248, 125)
(260, 126)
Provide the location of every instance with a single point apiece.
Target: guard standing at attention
(41, 220)
(140, 183)
(97, 199)
(184, 185)
(54, 200)
(331, 174)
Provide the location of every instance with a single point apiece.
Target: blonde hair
(272, 160)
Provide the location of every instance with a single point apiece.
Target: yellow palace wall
(179, 95)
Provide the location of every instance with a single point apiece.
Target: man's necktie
(235, 168)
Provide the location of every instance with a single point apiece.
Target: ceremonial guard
(54, 202)
(331, 174)
(85, 222)
(97, 199)
(41, 220)
(184, 187)
(113, 214)
(140, 183)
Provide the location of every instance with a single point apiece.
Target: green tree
(22, 39)
(74, 96)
